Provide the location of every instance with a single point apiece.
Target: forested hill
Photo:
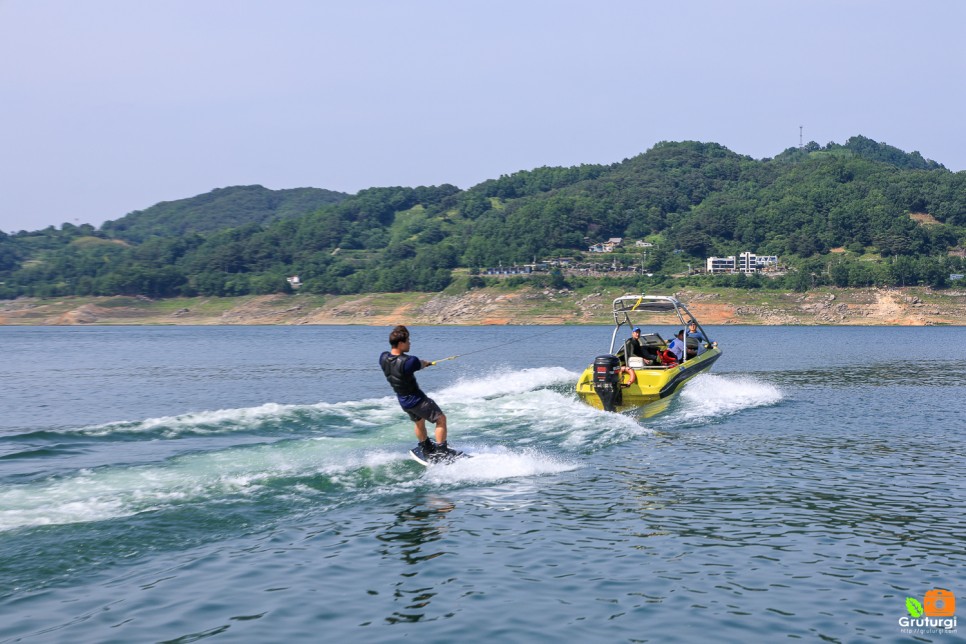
(221, 208)
(860, 213)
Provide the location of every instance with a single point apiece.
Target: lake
(251, 484)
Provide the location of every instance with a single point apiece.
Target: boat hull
(652, 383)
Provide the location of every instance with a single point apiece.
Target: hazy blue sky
(109, 106)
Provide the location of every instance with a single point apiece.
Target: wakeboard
(420, 457)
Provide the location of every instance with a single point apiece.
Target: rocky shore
(908, 307)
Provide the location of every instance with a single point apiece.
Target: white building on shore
(746, 262)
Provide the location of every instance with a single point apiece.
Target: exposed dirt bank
(910, 306)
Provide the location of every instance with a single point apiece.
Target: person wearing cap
(639, 349)
(693, 332)
(676, 345)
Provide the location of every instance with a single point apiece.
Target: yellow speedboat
(620, 380)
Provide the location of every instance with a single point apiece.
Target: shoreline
(910, 306)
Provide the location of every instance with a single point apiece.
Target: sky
(111, 106)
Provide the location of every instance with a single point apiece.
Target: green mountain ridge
(221, 208)
(857, 214)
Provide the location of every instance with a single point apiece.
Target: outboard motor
(607, 381)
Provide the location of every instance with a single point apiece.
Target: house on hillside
(608, 246)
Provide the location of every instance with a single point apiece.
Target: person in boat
(702, 341)
(676, 346)
(637, 348)
(400, 368)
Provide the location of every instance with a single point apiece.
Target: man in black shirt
(400, 369)
(637, 348)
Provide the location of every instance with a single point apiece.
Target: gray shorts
(426, 410)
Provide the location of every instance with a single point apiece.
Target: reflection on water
(410, 538)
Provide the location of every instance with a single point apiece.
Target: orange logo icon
(939, 603)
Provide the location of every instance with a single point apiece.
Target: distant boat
(619, 380)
